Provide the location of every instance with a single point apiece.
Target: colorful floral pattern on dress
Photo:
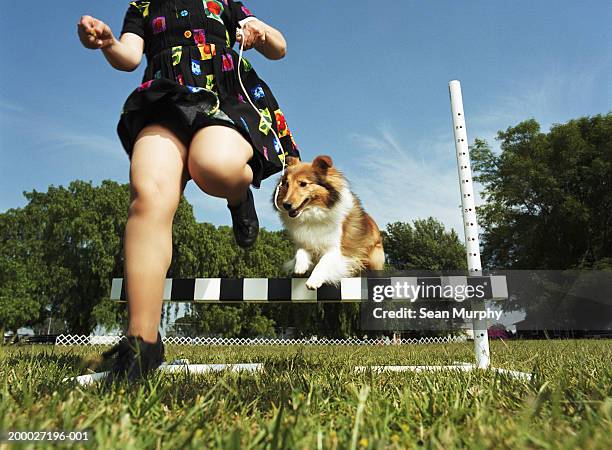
(282, 156)
(257, 92)
(213, 10)
(207, 51)
(214, 7)
(278, 146)
(265, 152)
(228, 63)
(246, 65)
(246, 11)
(183, 13)
(281, 123)
(199, 36)
(143, 7)
(157, 75)
(196, 69)
(179, 79)
(210, 82)
(145, 85)
(228, 42)
(265, 122)
(280, 152)
(177, 53)
(159, 24)
(195, 89)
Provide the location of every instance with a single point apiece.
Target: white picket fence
(75, 340)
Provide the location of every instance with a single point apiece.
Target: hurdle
(350, 290)
(292, 291)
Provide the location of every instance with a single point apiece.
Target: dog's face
(308, 185)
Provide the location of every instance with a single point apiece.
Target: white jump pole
(177, 366)
(470, 223)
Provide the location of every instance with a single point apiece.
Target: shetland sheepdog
(332, 233)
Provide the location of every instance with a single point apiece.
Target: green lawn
(311, 398)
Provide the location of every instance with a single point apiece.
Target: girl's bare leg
(217, 163)
(158, 174)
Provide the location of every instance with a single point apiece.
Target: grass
(311, 398)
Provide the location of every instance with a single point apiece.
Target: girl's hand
(94, 33)
(253, 34)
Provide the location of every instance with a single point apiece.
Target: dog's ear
(322, 163)
(291, 160)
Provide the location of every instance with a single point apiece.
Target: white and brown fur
(327, 223)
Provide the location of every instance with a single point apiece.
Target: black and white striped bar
(294, 290)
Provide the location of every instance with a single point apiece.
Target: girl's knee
(150, 197)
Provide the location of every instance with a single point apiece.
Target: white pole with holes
(470, 224)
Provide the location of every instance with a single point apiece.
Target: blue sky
(365, 82)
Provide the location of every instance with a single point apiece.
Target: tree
(18, 305)
(548, 195)
(20, 259)
(77, 232)
(424, 245)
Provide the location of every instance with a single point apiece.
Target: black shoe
(135, 359)
(244, 221)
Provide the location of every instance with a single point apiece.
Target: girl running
(189, 119)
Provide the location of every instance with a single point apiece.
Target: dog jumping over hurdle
(332, 233)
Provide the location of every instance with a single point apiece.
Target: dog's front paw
(302, 262)
(313, 284)
(301, 267)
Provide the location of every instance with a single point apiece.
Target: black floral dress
(191, 79)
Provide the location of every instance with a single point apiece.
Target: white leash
(248, 97)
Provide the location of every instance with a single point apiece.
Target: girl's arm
(266, 39)
(123, 54)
